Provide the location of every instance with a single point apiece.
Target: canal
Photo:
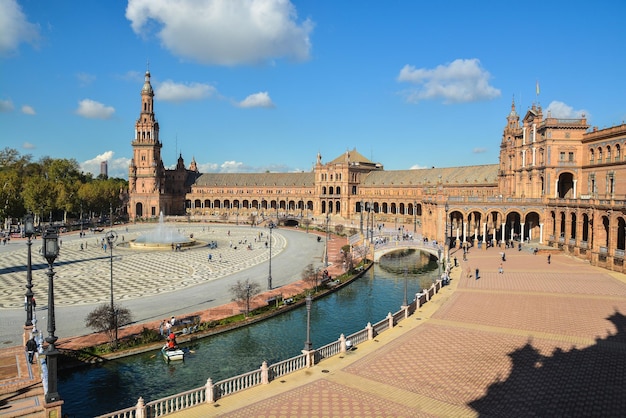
(117, 384)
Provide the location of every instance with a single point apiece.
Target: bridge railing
(211, 392)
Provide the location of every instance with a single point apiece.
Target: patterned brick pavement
(538, 340)
(136, 275)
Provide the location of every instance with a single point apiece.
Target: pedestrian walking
(500, 269)
(31, 347)
(210, 258)
(477, 275)
(549, 255)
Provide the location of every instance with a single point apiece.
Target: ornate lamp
(50, 252)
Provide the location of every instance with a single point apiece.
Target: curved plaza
(152, 284)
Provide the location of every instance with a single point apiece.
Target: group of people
(166, 330)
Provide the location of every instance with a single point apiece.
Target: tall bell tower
(146, 173)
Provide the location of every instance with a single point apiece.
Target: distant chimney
(104, 170)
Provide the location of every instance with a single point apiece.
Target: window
(570, 157)
(562, 156)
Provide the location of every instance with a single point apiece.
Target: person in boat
(171, 342)
(171, 345)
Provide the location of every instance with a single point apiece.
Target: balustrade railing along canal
(211, 392)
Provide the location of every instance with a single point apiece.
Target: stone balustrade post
(265, 373)
(210, 393)
(342, 343)
(140, 409)
(370, 331)
(310, 358)
(390, 320)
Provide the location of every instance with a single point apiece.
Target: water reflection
(118, 384)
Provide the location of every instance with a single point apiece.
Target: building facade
(556, 183)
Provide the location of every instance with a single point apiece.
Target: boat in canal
(172, 355)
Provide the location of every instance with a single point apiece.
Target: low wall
(213, 391)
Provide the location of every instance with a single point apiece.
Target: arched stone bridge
(382, 249)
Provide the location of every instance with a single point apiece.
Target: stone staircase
(21, 390)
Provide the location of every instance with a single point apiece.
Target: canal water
(117, 384)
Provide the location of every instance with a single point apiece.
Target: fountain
(161, 238)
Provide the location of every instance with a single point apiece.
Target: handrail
(236, 384)
(211, 392)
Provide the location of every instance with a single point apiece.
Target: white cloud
(261, 99)
(231, 167)
(28, 110)
(15, 28)
(240, 167)
(93, 110)
(208, 167)
(28, 145)
(417, 167)
(6, 105)
(479, 150)
(85, 79)
(116, 167)
(458, 82)
(224, 32)
(177, 92)
(562, 111)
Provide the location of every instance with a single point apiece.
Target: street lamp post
(269, 277)
(50, 253)
(247, 298)
(372, 212)
(361, 222)
(308, 345)
(406, 271)
(29, 230)
(414, 218)
(446, 243)
(326, 246)
(111, 237)
(439, 260)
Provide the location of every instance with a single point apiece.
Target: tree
(242, 292)
(102, 319)
(360, 252)
(348, 259)
(306, 222)
(338, 229)
(309, 275)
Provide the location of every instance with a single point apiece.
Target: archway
(566, 186)
(139, 210)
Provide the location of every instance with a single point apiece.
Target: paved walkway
(538, 339)
(153, 285)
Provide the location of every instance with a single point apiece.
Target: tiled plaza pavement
(21, 391)
(136, 275)
(539, 340)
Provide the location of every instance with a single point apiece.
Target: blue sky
(255, 85)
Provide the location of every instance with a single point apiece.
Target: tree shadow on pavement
(575, 383)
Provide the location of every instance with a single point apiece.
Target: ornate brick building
(557, 183)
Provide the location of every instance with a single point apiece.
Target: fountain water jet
(162, 237)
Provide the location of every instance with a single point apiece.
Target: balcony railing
(211, 392)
